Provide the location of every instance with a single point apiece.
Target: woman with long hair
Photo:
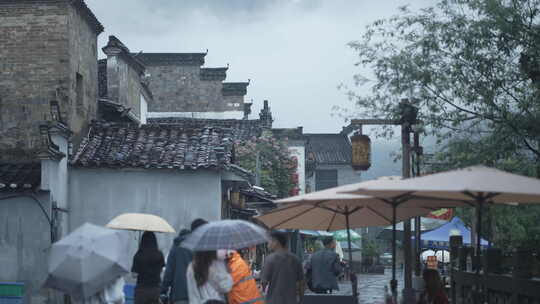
(147, 265)
(208, 279)
(434, 292)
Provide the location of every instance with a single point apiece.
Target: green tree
(507, 227)
(277, 165)
(473, 69)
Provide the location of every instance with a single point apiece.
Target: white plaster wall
(98, 195)
(144, 109)
(24, 244)
(54, 178)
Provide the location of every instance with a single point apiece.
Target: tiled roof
(234, 88)
(154, 146)
(241, 129)
(111, 111)
(19, 176)
(289, 133)
(329, 148)
(170, 58)
(102, 78)
(259, 194)
(217, 74)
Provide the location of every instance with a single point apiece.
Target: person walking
(207, 279)
(174, 281)
(244, 290)
(325, 268)
(434, 292)
(147, 265)
(282, 275)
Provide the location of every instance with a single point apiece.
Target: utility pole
(258, 169)
(406, 121)
(417, 220)
(408, 291)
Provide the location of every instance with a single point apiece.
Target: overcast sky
(294, 51)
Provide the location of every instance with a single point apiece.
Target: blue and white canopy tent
(438, 238)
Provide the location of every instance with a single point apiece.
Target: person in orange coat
(244, 290)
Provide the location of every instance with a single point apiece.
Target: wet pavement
(371, 286)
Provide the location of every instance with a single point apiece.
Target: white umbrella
(140, 222)
(427, 253)
(87, 260)
(443, 256)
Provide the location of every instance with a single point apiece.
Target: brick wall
(83, 61)
(124, 84)
(38, 55)
(179, 88)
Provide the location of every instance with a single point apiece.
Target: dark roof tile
(170, 58)
(241, 129)
(19, 176)
(234, 88)
(329, 148)
(213, 74)
(154, 146)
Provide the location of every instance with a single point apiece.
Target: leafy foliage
(473, 69)
(277, 165)
(507, 227)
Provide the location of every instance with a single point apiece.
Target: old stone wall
(233, 103)
(43, 44)
(31, 68)
(179, 88)
(82, 61)
(124, 84)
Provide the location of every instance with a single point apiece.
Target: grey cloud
(294, 51)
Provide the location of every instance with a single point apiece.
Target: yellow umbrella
(140, 222)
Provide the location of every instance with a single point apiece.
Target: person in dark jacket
(175, 271)
(147, 264)
(325, 268)
(177, 264)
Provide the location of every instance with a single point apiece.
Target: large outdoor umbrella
(472, 186)
(225, 234)
(87, 260)
(140, 222)
(332, 210)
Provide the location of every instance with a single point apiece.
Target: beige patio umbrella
(331, 210)
(140, 222)
(473, 186)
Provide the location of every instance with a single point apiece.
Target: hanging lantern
(361, 152)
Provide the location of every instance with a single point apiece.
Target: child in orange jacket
(244, 290)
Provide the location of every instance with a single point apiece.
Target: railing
(500, 280)
(496, 289)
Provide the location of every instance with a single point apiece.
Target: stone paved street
(371, 286)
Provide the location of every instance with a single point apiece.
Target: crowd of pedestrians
(224, 276)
